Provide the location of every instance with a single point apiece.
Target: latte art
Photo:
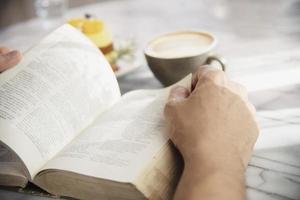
(180, 45)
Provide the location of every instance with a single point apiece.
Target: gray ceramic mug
(174, 55)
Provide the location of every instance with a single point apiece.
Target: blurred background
(14, 11)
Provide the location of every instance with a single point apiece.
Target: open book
(65, 127)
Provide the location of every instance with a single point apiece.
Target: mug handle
(219, 59)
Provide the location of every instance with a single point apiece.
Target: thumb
(9, 60)
(178, 93)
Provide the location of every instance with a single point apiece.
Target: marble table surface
(261, 41)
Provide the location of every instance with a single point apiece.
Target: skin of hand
(8, 58)
(214, 128)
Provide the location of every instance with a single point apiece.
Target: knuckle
(214, 74)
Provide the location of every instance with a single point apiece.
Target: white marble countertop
(257, 38)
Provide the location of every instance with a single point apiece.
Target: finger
(4, 50)
(210, 74)
(9, 60)
(202, 70)
(238, 89)
(178, 94)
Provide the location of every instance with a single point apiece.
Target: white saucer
(126, 66)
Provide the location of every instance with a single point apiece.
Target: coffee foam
(178, 45)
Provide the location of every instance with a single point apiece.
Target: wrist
(219, 185)
(225, 160)
(204, 181)
(214, 168)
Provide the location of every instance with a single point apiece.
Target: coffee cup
(174, 55)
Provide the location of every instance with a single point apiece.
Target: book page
(12, 170)
(57, 90)
(122, 141)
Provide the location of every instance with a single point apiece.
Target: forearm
(210, 183)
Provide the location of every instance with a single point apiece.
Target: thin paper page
(61, 85)
(119, 144)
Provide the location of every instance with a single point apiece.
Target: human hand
(8, 58)
(214, 125)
